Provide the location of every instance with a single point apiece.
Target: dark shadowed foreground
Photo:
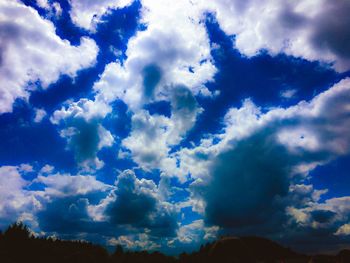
(18, 245)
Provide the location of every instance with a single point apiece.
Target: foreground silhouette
(17, 244)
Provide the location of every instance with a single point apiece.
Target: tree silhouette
(17, 231)
(18, 245)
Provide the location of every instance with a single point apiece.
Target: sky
(164, 125)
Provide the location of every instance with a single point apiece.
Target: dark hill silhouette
(250, 249)
(18, 245)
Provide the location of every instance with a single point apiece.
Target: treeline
(17, 244)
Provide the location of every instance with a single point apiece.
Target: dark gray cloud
(291, 19)
(69, 216)
(131, 206)
(183, 100)
(85, 140)
(314, 240)
(65, 215)
(322, 216)
(137, 204)
(331, 28)
(152, 74)
(248, 183)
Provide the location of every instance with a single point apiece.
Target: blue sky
(164, 125)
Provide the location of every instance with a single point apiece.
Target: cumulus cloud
(81, 206)
(257, 168)
(53, 8)
(59, 205)
(252, 176)
(84, 109)
(195, 232)
(161, 57)
(31, 51)
(60, 185)
(251, 179)
(316, 221)
(65, 216)
(135, 242)
(81, 127)
(152, 136)
(87, 14)
(314, 30)
(315, 128)
(148, 139)
(137, 203)
(15, 201)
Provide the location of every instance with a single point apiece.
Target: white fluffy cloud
(61, 185)
(152, 136)
(148, 140)
(87, 13)
(164, 55)
(196, 232)
(31, 51)
(54, 8)
(314, 30)
(84, 108)
(15, 200)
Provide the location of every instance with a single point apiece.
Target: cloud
(132, 205)
(80, 206)
(16, 201)
(29, 42)
(161, 57)
(65, 216)
(137, 203)
(195, 233)
(258, 165)
(314, 30)
(148, 139)
(80, 125)
(69, 217)
(153, 136)
(87, 14)
(53, 8)
(63, 202)
(318, 128)
(84, 109)
(316, 221)
(343, 230)
(40, 114)
(135, 242)
(251, 179)
(61, 185)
